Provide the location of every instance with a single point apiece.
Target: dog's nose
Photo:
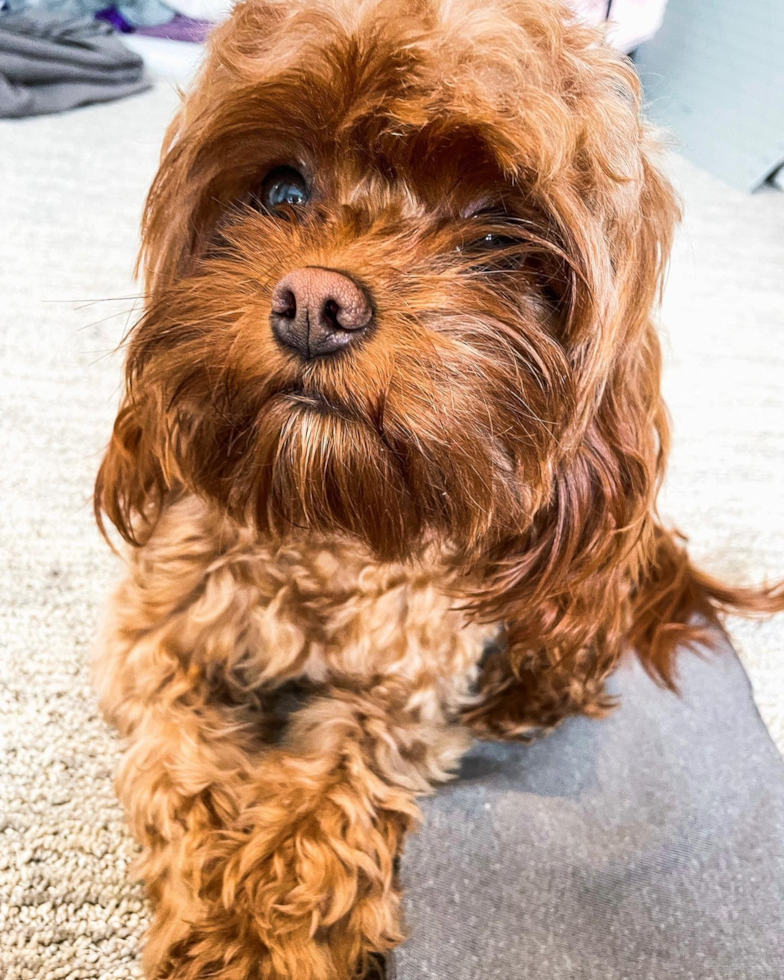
(319, 311)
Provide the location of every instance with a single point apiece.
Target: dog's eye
(283, 186)
(492, 241)
(491, 250)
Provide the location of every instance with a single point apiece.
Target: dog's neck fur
(323, 609)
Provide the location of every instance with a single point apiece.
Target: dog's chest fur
(255, 618)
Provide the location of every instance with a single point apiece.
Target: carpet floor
(71, 190)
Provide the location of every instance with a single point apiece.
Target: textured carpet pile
(71, 190)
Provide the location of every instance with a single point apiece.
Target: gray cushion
(647, 846)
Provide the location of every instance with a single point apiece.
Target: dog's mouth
(312, 400)
(302, 402)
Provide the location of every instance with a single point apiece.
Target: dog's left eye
(283, 186)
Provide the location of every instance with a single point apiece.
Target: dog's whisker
(81, 304)
(106, 319)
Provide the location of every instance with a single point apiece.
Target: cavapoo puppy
(388, 455)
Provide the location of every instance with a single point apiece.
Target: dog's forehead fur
(448, 54)
(401, 81)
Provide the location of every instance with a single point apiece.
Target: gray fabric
(649, 846)
(139, 13)
(47, 65)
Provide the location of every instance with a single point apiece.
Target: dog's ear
(595, 574)
(567, 587)
(130, 485)
(192, 187)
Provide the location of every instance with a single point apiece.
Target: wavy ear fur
(130, 484)
(181, 207)
(596, 574)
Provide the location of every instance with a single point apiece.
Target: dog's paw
(314, 900)
(214, 951)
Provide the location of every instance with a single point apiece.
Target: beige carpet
(70, 194)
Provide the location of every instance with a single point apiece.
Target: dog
(388, 455)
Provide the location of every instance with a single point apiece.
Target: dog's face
(399, 253)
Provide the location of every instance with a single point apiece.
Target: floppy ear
(193, 184)
(567, 590)
(567, 587)
(597, 574)
(130, 485)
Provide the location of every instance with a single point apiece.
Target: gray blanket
(649, 846)
(48, 65)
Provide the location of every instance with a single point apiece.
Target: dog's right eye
(283, 186)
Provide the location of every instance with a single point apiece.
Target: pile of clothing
(59, 54)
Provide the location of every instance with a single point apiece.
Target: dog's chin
(316, 466)
(310, 465)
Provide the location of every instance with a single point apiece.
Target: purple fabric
(180, 29)
(113, 16)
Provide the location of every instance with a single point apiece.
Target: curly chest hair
(396, 389)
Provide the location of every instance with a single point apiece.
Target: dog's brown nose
(318, 311)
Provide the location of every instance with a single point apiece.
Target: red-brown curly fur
(489, 454)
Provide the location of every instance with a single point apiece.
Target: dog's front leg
(186, 772)
(179, 621)
(304, 886)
